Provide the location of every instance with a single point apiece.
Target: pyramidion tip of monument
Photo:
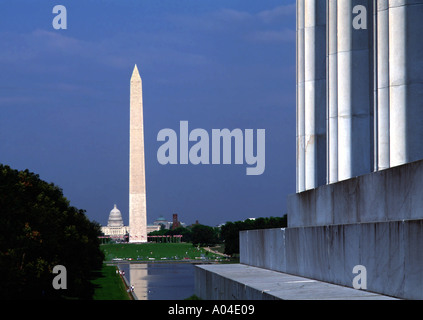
(135, 73)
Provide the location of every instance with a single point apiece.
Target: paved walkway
(216, 252)
(289, 287)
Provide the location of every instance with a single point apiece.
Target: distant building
(175, 222)
(152, 227)
(115, 227)
(161, 221)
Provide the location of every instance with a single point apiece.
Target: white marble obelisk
(137, 189)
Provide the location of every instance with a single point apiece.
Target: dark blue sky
(64, 99)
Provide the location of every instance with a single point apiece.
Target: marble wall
(390, 252)
(386, 195)
(256, 244)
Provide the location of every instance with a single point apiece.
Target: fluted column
(300, 98)
(414, 80)
(355, 101)
(332, 92)
(315, 92)
(382, 99)
(398, 85)
(406, 81)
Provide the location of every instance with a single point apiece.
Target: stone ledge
(390, 251)
(387, 195)
(243, 282)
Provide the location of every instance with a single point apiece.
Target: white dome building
(115, 227)
(115, 218)
(117, 230)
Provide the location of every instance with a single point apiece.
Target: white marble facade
(359, 91)
(115, 227)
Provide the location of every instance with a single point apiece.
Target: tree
(230, 230)
(185, 232)
(204, 235)
(39, 229)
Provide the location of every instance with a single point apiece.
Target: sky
(64, 100)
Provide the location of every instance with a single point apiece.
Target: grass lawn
(154, 251)
(109, 285)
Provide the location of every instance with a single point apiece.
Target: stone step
(243, 282)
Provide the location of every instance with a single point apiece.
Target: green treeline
(228, 233)
(198, 234)
(39, 229)
(230, 230)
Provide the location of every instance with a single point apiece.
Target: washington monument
(137, 190)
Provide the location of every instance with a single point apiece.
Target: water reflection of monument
(160, 280)
(136, 275)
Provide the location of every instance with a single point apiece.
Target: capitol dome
(115, 218)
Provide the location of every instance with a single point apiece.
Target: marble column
(315, 92)
(332, 92)
(354, 92)
(398, 84)
(382, 99)
(300, 98)
(405, 81)
(371, 84)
